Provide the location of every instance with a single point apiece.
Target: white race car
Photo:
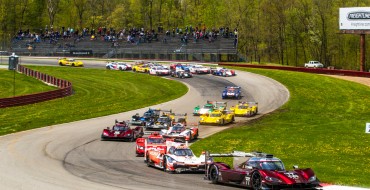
(118, 66)
(179, 133)
(199, 69)
(159, 70)
(176, 158)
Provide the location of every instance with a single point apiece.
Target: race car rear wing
(249, 103)
(237, 155)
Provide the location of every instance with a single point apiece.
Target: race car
(162, 122)
(245, 109)
(175, 158)
(181, 74)
(118, 66)
(146, 117)
(199, 69)
(217, 117)
(220, 71)
(143, 68)
(159, 70)
(257, 170)
(209, 107)
(70, 62)
(232, 92)
(153, 141)
(122, 131)
(179, 133)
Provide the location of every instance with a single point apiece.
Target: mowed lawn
(23, 84)
(322, 126)
(97, 92)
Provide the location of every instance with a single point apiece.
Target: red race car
(154, 140)
(122, 131)
(257, 170)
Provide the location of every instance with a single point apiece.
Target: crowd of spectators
(132, 36)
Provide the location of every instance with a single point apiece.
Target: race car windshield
(183, 152)
(119, 128)
(208, 106)
(242, 107)
(231, 90)
(155, 140)
(272, 166)
(215, 115)
(162, 119)
(177, 128)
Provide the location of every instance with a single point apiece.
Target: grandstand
(163, 48)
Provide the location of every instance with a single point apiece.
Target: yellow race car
(143, 68)
(70, 62)
(217, 117)
(245, 109)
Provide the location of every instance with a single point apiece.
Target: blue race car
(146, 117)
(233, 92)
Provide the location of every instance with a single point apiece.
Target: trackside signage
(354, 18)
(367, 128)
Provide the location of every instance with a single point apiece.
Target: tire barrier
(327, 71)
(65, 89)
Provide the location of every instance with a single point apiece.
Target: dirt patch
(361, 80)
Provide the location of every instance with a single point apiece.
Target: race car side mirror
(295, 167)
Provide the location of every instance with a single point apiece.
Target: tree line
(287, 32)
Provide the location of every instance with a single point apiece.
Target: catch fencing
(64, 89)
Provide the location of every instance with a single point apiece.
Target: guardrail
(328, 71)
(65, 89)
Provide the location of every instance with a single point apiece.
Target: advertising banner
(354, 18)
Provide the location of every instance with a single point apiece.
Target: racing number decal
(247, 180)
(292, 175)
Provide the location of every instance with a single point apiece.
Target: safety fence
(65, 89)
(328, 71)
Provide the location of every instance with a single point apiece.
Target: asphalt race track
(71, 155)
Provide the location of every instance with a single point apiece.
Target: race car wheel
(60, 63)
(147, 160)
(134, 70)
(132, 139)
(120, 69)
(165, 164)
(256, 181)
(222, 122)
(213, 174)
(73, 64)
(232, 119)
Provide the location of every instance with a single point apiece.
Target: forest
(285, 32)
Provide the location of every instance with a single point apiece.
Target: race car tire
(147, 160)
(165, 164)
(256, 181)
(73, 64)
(222, 122)
(60, 63)
(120, 69)
(134, 70)
(213, 174)
(232, 119)
(132, 139)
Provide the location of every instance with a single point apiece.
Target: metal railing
(65, 89)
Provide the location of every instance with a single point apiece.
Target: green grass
(97, 93)
(322, 126)
(23, 84)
